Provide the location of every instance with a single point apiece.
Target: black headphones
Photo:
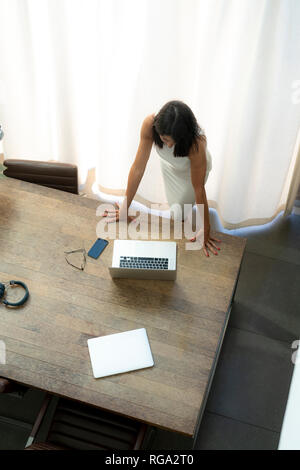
(13, 283)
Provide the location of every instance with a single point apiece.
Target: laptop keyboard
(143, 263)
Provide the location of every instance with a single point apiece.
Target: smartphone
(97, 248)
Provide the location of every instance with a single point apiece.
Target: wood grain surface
(46, 340)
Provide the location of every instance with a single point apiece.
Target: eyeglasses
(81, 250)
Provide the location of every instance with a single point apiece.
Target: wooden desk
(46, 340)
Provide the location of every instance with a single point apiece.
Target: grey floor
(248, 396)
(247, 400)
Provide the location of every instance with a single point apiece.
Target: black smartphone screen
(97, 248)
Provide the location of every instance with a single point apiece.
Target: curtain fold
(295, 178)
(78, 77)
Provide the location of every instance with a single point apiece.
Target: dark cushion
(63, 176)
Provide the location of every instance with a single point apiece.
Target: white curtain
(77, 78)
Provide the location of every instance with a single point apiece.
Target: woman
(185, 163)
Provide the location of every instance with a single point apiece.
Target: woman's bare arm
(136, 171)
(139, 165)
(198, 172)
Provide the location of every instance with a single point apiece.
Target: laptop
(137, 259)
(120, 352)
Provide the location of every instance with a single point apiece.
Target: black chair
(9, 387)
(76, 426)
(63, 176)
(6, 386)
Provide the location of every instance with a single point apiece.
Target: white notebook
(120, 352)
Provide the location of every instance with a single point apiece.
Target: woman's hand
(117, 214)
(208, 242)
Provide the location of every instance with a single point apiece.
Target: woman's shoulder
(149, 120)
(201, 137)
(146, 130)
(199, 144)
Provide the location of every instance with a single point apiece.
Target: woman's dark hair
(177, 120)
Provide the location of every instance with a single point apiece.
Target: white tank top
(176, 173)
